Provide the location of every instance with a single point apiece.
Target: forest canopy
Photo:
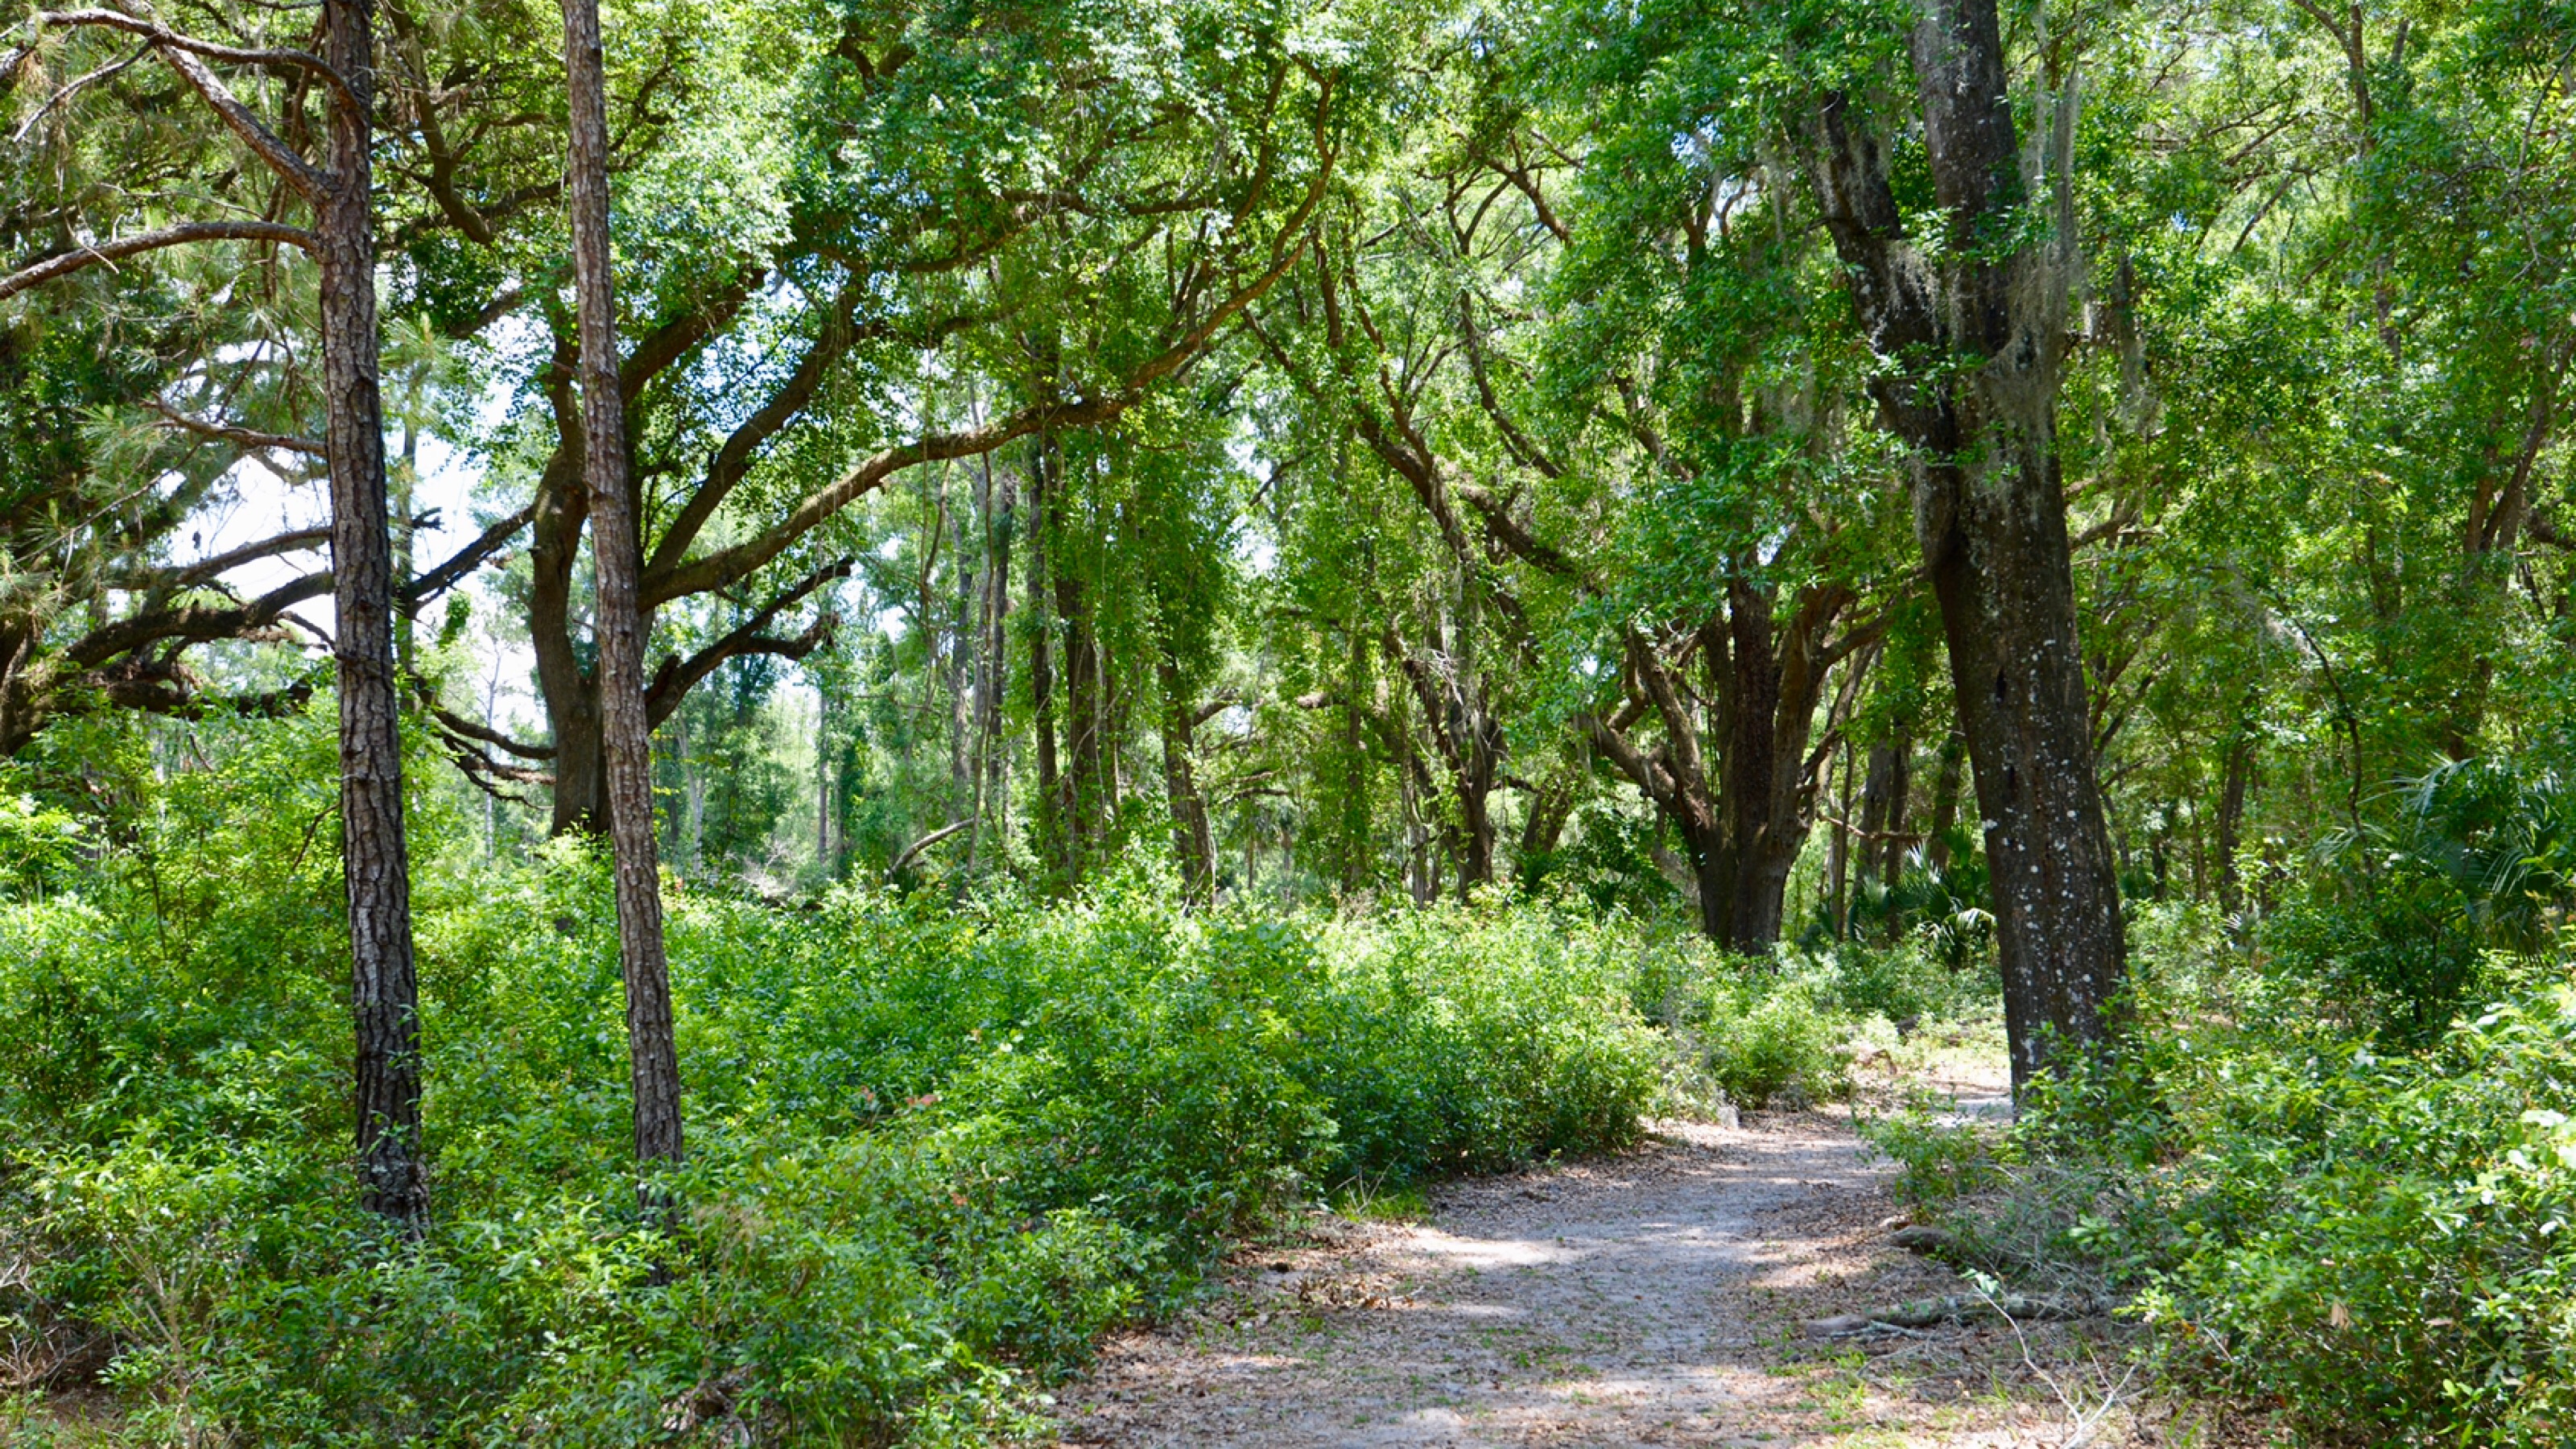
(1358, 580)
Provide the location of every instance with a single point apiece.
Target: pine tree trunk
(625, 733)
(384, 993)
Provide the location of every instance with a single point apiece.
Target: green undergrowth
(2360, 1234)
(1786, 1030)
(935, 1149)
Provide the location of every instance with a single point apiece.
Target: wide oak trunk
(1976, 340)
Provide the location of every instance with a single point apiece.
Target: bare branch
(730, 565)
(187, 575)
(924, 843)
(247, 437)
(71, 88)
(676, 677)
(303, 175)
(194, 623)
(458, 724)
(464, 561)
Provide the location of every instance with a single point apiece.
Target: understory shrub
(1784, 1030)
(2370, 1241)
(935, 1149)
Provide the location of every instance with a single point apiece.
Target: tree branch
(185, 575)
(675, 678)
(924, 843)
(151, 241)
(730, 565)
(246, 437)
(194, 623)
(464, 561)
(458, 724)
(166, 39)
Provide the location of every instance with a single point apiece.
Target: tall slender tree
(626, 734)
(338, 189)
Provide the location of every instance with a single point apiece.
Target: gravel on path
(1649, 1298)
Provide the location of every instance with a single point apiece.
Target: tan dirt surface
(1651, 1298)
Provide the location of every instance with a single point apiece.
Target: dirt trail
(1654, 1298)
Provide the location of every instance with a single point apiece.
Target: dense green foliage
(2314, 1202)
(1234, 587)
(935, 1150)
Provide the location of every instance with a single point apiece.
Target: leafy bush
(2380, 1243)
(934, 1151)
(2396, 927)
(1783, 1030)
(2373, 1241)
(1774, 1041)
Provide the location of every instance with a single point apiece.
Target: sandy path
(1648, 1299)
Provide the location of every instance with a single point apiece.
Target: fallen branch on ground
(1953, 1308)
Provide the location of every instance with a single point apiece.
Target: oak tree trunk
(1945, 802)
(1976, 338)
(1052, 844)
(2231, 819)
(1882, 806)
(1192, 843)
(625, 733)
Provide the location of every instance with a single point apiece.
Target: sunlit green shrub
(1773, 1042)
(2381, 1243)
(2374, 1242)
(934, 1150)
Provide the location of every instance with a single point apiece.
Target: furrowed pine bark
(625, 733)
(384, 992)
(1976, 340)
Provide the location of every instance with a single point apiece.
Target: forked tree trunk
(1769, 674)
(1550, 808)
(626, 735)
(384, 995)
(1976, 339)
(1191, 842)
(2231, 818)
(1051, 813)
